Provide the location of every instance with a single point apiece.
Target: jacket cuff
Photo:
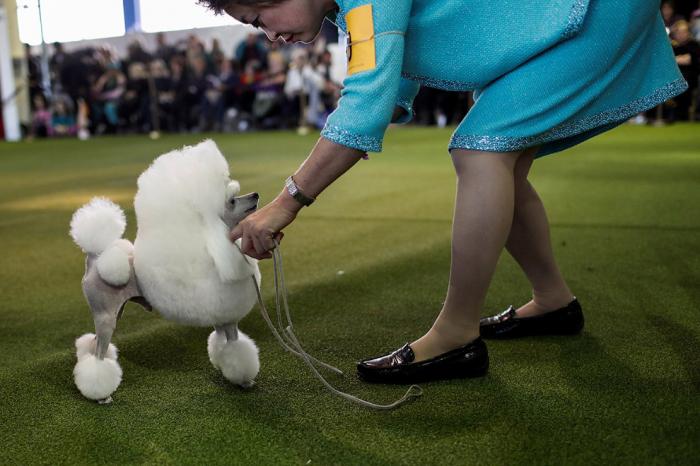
(348, 139)
(408, 114)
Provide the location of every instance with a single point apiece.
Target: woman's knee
(524, 163)
(473, 161)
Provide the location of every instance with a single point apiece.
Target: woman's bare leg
(482, 220)
(529, 244)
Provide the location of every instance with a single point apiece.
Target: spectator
(41, 118)
(57, 62)
(180, 81)
(134, 107)
(165, 94)
(668, 11)
(108, 91)
(216, 56)
(164, 51)
(212, 104)
(136, 53)
(695, 24)
(33, 75)
(196, 80)
(330, 91)
(687, 53)
(252, 49)
(62, 118)
(303, 88)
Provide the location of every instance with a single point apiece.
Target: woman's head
(291, 20)
(219, 6)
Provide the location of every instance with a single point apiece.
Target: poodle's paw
(97, 379)
(87, 344)
(237, 360)
(247, 384)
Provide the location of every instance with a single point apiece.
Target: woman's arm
(326, 163)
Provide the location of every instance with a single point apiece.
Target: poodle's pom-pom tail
(238, 360)
(97, 379)
(87, 345)
(97, 224)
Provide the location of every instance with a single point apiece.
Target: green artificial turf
(625, 216)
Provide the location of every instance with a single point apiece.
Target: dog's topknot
(97, 224)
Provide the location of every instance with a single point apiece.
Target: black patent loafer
(398, 367)
(567, 320)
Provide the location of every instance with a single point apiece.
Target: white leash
(293, 346)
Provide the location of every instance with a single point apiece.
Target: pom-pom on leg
(87, 344)
(97, 379)
(237, 359)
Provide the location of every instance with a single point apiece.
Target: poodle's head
(187, 186)
(238, 207)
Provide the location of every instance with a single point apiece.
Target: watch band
(296, 193)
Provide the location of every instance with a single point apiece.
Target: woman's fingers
(236, 233)
(260, 231)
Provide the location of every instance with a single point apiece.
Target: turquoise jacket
(545, 72)
(445, 44)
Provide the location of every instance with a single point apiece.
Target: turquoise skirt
(619, 64)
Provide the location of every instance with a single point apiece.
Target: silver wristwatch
(296, 193)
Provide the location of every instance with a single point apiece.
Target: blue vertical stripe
(132, 21)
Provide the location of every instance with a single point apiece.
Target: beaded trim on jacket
(609, 117)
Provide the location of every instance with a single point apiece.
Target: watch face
(291, 187)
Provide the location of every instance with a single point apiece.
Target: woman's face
(291, 20)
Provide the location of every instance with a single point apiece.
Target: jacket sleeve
(370, 90)
(407, 93)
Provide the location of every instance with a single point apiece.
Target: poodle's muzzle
(239, 207)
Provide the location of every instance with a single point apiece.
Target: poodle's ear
(230, 263)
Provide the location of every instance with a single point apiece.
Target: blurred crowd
(684, 33)
(189, 87)
(183, 87)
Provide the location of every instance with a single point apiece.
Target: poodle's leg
(98, 375)
(234, 353)
(105, 324)
(97, 372)
(229, 331)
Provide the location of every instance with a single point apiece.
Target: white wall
(228, 37)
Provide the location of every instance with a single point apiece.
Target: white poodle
(181, 263)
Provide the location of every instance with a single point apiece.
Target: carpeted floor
(367, 267)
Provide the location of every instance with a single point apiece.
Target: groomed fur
(186, 266)
(97, 224)
(97, 379)
(87, 344)
(237, 360)
(113, 264)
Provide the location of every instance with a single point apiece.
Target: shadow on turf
(684, 343)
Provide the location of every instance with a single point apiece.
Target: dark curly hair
(218, 5)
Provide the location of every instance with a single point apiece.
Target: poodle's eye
(232, 201)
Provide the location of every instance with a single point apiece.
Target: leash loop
(289, 341)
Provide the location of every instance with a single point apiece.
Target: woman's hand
(325, 164)
(259, 230)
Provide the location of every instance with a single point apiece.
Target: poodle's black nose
(255, 195)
